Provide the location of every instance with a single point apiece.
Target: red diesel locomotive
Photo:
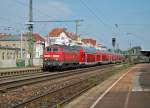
(61, 56)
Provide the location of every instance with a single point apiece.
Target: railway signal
(114, 43)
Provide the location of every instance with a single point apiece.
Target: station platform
(17, 71)
(128, 89)
(18, 68)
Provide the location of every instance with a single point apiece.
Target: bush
(20, 63)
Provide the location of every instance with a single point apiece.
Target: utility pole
(30, 37)
(21, 53)
(118, 50)
(130, 52)
(77, 25)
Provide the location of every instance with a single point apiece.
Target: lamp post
(21, 55)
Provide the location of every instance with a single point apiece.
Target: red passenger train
(61, 56)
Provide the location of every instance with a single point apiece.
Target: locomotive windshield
(55, 49)
(49, 49)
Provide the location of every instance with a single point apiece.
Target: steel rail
(18, 82)
(76, 88)
(36, 98)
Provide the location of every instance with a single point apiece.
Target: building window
(7, 55)
(14, 55)
(37, 53)
(24, 54)
(52, 40)
(62, 38)
(3, 55)
(17, 56)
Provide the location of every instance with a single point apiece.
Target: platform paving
(130, 89)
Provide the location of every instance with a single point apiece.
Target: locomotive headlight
(47, 55)
(45, 58)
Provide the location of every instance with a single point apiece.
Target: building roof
(56, 32)
(9, 47)
(36, 37)
(10, 38)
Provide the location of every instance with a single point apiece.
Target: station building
(13, 47)
(62, 37)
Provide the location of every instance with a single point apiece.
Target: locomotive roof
(105, 51)
(85, 48)
(64, 46)
(55, 45)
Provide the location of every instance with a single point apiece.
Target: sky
(126, 20)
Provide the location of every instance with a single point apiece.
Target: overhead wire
(100, 21)
(100, 12)
(134, 24)
(94, 14)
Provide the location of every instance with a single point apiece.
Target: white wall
(39, 50)
(62, 39)
(7, 63)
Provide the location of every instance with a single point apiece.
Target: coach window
(98, 56)
(66, 49)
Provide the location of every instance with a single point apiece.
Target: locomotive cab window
(49, 49)
(55, 49)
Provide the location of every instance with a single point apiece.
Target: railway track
(18, 81)
(57, 97)
(48, 98)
